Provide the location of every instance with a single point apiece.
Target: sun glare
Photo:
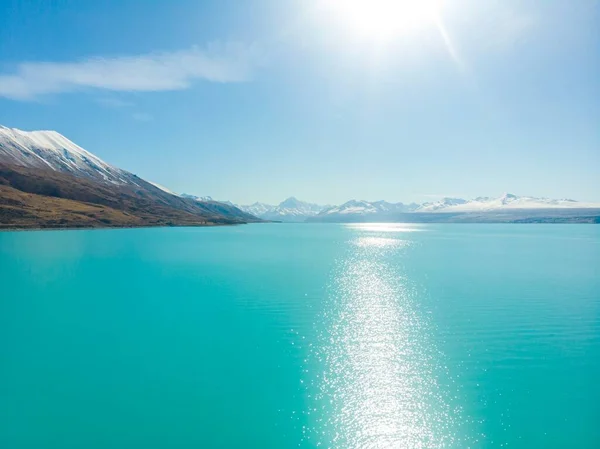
(385, 19)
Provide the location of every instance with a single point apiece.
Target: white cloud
(226, 63)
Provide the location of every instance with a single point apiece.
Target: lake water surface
(287, 336)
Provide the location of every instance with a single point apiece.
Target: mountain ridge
(44, 164)
(48, 164)
(506, 202)
(290, 210)
(486, 209)
(506, 208)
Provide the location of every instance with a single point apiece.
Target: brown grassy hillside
(34, 198)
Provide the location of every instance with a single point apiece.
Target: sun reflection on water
(386, 227)
(378, 389)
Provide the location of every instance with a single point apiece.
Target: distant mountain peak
(291, 202)
(205, 199)
(382, 210)
(508, 197)
(290, 209)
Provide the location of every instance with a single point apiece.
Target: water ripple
(378, 388)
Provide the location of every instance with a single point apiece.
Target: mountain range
(48, 181)
(505, 208)
(291, 210)
(506, 201)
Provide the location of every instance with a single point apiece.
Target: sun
(385, 19)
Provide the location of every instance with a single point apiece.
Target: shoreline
(103, 228)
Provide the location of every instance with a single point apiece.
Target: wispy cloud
(221, 63)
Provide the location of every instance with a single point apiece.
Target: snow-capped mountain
(46, 164)
(506, 201)
(51, 150)
(444, 203)
(352, 207)
(257, 209)
(290, 209)
(197, 198)
(206, 199)
(362, 207)
(163, 188)
(360, 210)
(293, 207)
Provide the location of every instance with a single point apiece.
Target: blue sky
(259, 100)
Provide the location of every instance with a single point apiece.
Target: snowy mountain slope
(47, 164)
(291, 209)
(506, 201)
(362, 207)
(257, 209)
(444, 203)
(197, 198)
(294, 210)
(353, 207)
(49, 149)
(206, 199)
(164, 189)
(223, 206)
(360, 210)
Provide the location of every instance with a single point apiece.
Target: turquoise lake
(301, 336)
